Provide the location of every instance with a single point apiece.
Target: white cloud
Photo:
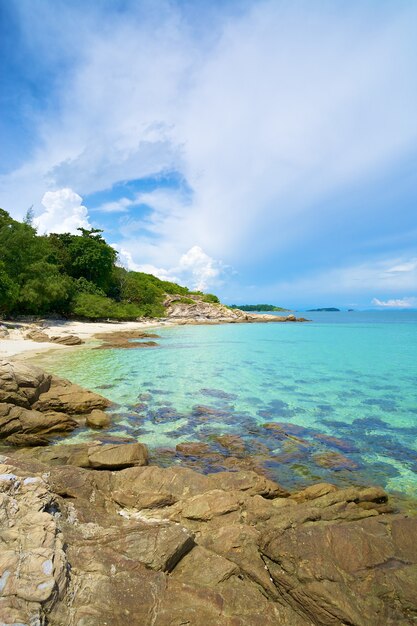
(351, 281)
(64, 213)
(195, 268)
(396, 303)
(264, 113)
(200, 268)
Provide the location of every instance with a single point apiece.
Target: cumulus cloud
(195, 268)
(265, 113)
(202, 270)
(64, 213)
(396, 303)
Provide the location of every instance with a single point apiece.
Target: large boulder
(22, 384)
(35, 406)
(69, 398)
(90, 455)
(19, 426)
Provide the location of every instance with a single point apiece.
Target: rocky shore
(91, 534)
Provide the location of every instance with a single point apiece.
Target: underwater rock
(334, 461)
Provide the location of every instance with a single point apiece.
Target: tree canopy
(73, 275)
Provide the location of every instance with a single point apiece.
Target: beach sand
(16, 346)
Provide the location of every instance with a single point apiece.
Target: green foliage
(93, 307)
(87, 256)
(210, 297)
(45, 290)
(257, 307)
(74, 275)
(184, 300)
(82, 285)
(9, 290)
(141, 289)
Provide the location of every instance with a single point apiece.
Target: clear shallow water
(352, 376)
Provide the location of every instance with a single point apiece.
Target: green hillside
(73, 275)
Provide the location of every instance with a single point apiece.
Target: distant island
(329, 308)
(257, 307)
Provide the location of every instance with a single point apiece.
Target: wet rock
(334, 461)
(125, 339)
(97, 419)
(234, 443)
(336, 442)
(192, 448)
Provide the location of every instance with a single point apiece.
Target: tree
(84, 256)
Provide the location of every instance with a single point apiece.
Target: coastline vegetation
(74, 275)
(257, 307)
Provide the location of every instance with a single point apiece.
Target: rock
(33, 566)
(234, 443)
(313, 492)
(20, 426)
(90, 455)
(336, 442)
(69, 398)
(109, 456)
(22, 384)
(34, 406)
(210, 504)
(346, 573)
(323, 556)
(247, 481)
(97, 419)
(67, 340)
(192, 448)
(334, 461)
(37, 335)
(204, 567)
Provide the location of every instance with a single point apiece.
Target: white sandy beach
(15, 344)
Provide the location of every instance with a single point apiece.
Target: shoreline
(15, 346)
(97, 520)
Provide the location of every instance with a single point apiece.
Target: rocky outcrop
(193, 309)
(41, 337)
(150, 546)
(126, 339)
(33, 564)
(93, 455)
(35, 406)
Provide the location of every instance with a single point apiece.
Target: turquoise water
(352, 376)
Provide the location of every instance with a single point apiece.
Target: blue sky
(263, 150)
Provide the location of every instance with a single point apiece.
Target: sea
(331, 400)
